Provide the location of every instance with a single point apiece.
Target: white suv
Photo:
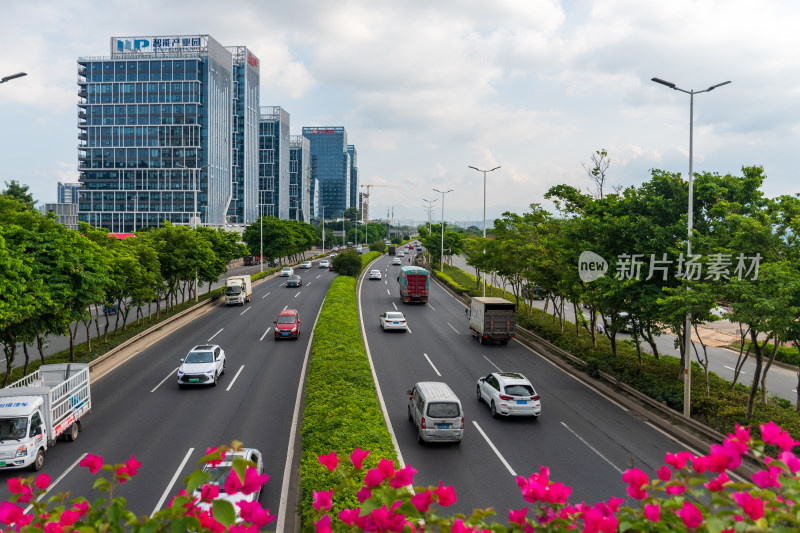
(286, 272)
(203, 365)
(509, 394)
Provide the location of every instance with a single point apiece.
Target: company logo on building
(317, 130)
(591, 266)
(156, 45)
(132, 45)
(252, 60)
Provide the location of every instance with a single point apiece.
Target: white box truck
(492, 319)
(39, 408)
(238, 290)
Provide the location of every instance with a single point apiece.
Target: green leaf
(224, 512)
(196, 479)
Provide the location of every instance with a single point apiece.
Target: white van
(436, 412)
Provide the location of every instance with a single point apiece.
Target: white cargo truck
(39, 408)
(492, 319)
(238, 290)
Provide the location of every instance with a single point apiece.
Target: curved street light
(484, 210)
(441, 256)
(12, 76)
(687, 375)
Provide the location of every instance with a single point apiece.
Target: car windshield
(443, 410)
(199, 357)
(374, 271)
(286, 319)
(13, 428)
(394, 316)
(233, 291)
(520, 390)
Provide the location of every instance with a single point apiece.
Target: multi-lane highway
(586, 439)
(139, 410)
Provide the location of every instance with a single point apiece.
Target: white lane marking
(454, 329)
(395, 306)
(215, 334)
(386, 282)
(243, 312)
(265, 333)
(54, 483)
(309, 283)
(172, 482)
(318, 275)
(494, 365)
(284, 307)
(295, 417)
(729, 368)
(408, 329)
(234, 378)
(265, 296)
(431, 363)
(165, 379)
(495, 450)
(298, 294)
(429, 305)
(387, 292)
(595, 450)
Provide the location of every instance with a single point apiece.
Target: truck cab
(21, 431)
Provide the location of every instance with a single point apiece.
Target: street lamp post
(12, 77)
(430, 210)
(687, 374)
(195, 215)
(261, 233)
(484, 211)
(323, 230)
(441, 257)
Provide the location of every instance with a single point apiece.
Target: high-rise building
(68, 193)
(167, 131)
(66, 213)
(273, 162)
(351, 150)
(299, 179)
(331, 167)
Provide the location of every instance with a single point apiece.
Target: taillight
(506, 397)
(422, 423)
(535, 397)
(462, 422)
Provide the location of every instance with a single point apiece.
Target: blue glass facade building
(351, 151)
(68, 193)
(299, 179)
(167, 124)
(274, 162)
(331, 167)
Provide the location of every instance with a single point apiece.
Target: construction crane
(366, 211)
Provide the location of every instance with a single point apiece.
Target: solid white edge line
(234, 378)
(495, 450)
(54, 483)
(375, 377)
(432, 365)
(284, 502)
(165, 379)
(595, 450)
(454, 329)
(265, 333)
(215, 334)
(243, 312)
(172, 482)
(494, 365)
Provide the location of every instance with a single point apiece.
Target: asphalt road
(585, 439)
(781, 382)
(139, 410)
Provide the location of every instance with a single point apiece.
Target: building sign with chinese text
(159, 45)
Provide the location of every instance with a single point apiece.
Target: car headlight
(180, 372)
(210, 371)
(22, 451)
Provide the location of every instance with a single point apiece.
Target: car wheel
(410, 418)
(419, 438)
(38, 463)
(480, 398)
(214, 383)
(223, 368)
(493, 410)
(72, 435)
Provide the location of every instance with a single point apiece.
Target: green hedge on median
(342, 410)
(367, 258)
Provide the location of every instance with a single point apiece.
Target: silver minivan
(436, 412)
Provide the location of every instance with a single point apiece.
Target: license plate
(442, 426)
(522, 402)
(284, 334)
(2, 463)
(194, 380)
(395, 323)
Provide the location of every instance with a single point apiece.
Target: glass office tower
(299, 179)
(156, 133)
(68, 193)
(354, 189)
(331, 164)
(273, 162)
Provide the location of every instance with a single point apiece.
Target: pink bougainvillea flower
(664, 473)
(718, 483)
(42, 481)
(752, 507)
(81, 507)
(422, 501)
(790, 460)
(615, 503)
(323, 525)
(322, 500)
(636, 479)
(652, 512)
(15, 485)
(446, 495)
(68, 518)
(403, 477)
(357, 457)
(255, 514)
(599, 519)
(678, 460)
(207, 521)
(517, 517)
(10, 513)
(349, 516)
(700, 464)
(209, 492)
(725, 456)
(329, 461)
(253, 481)
(364, 494)
(214, 463)
(386, 468)
(691, 515)
(767, 478)
(373, 478)
(676, 489)
(53, 527)
(93, 462)
(132, 465)
(771, 433)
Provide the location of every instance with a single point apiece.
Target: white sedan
(509, 394)
(393, 320)
(305, 264)
(400, 253)
(203, 365)
(220, 473)
(286, 272)
(375, 274)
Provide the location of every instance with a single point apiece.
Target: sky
(427, 89)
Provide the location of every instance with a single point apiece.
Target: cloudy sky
(426, 89)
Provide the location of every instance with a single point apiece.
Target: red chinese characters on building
(252, 60)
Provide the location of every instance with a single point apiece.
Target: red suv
(287, 326)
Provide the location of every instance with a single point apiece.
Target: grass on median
(342, 410)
